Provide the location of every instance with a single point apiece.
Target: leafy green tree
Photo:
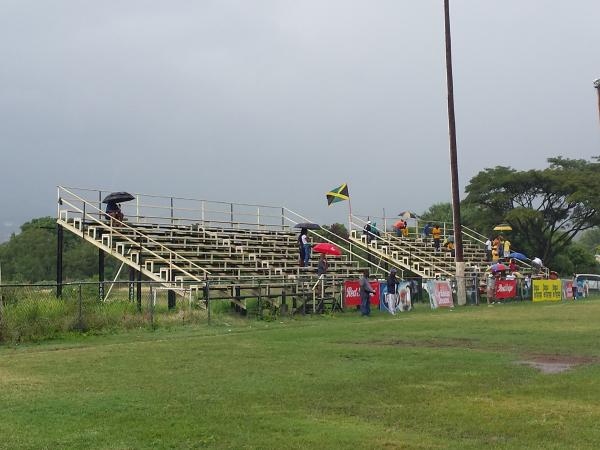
(591, 240)
(547, 208)
(575, 259)
(30, 256)
(438, 212)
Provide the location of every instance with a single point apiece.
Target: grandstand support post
(59, 259)
(231, 214)
(458, 243)
(101, 274)
(170, 293)
(283, 309)
(282, 219)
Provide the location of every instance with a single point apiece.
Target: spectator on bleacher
(301, 246)
(367, 231)
(113, 211)
(371, 231)
(375, 231)
(323, 265)
(426, 232)
(405, 229)
(500, 249)
(537, 265)
(488, 250)
(437, 234)
(366, 291)
(398, 228)
(506, 248)
(306, 246)
(512, 266)
(450, 248)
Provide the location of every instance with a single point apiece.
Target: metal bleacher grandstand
(235, 251)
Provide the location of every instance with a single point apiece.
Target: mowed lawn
(443, 379)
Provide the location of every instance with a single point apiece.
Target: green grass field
(442, 379)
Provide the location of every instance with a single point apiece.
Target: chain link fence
(35, 312)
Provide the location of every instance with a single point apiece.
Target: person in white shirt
(307, 249)
(488, 249)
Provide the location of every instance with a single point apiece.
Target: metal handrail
(135, 232)
(346, 241)
(411, 255)
(167, 197)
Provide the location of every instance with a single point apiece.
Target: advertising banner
(567, 289)
(506, 289)
(440, 294)
(397, 302)
(546, 291)
(352, 293)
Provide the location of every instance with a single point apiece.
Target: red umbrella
(328, 249)
(499, 267)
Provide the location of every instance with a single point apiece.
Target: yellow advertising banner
(546, 290)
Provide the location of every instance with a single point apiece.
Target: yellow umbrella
(503, 227)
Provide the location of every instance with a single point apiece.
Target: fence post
(152, 306)
(80, 318)
(258, 301)
(208, 299)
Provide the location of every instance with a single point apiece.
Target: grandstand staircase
(418, 256)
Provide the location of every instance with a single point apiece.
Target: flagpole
(349, 216)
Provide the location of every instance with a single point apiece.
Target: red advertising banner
(506, 289)
(443, 295)
(352, 293)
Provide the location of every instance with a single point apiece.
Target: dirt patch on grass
(545, 363)
(428, 343)
(551, 364)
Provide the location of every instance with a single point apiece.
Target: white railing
(89, 212)
(413, 252)
(160, 209)
(293, 218)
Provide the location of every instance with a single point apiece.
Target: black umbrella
(307, 225)
(118, 197)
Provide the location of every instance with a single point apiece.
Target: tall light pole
(597, 86)
(461, 291)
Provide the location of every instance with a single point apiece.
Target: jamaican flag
(338, 194)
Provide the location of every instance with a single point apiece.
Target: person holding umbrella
(303, 241)
(325, 248)
(305, 251)
(113, 209)
(301, 246)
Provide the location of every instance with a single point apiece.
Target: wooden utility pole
(458, 242)
(597, 86)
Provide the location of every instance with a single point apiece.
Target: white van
(593, 280)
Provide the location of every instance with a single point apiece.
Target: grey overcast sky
(278, 101)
